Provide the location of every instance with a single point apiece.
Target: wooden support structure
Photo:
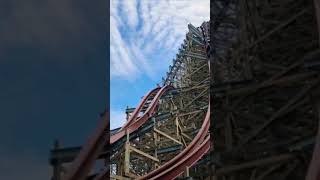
(261, 88)
(189, 75)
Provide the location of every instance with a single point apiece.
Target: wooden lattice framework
(264, 119)
(179, 115)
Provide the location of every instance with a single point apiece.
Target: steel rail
(84, 161)
(81, 166)
(190, 150)
(189, 156)
(188, 161)
(139, 108)
(89, 153)
(134, 125)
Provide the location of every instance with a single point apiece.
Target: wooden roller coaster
(165, 135)
(252, 72)
(265, 89)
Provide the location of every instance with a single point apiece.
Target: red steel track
(193, 152)
(85, 160)
(90, 151)
(198, 147)
(134, 122)
(139, 108)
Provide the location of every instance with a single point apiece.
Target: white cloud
(139, 31)
(141, 60)
(121, 64)
(130, 10)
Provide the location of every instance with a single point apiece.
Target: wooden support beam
(167, 136)
(188, 113)
(268, 171)
(277, 28)
(255, 163)
(200, 95)
(185, 135)
(280, 112)
(143, 153)
(283, 81)
(127, 158)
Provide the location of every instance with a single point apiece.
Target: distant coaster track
(167, 133)
(264, 58)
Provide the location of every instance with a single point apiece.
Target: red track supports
(188, 161)
(82, 164)
(187, 157)
(134, 124)
(85, 160)
(139, 107)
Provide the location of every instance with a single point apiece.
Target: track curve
(84, 161)
(135, 113)
(81, 166)
(188, 156)
(194, 49)
(134, 123)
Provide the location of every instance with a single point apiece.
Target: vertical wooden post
(127, 156)
(187, 174)
(155, 136)
(177, 129)
(127, 159)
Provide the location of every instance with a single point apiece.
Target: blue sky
(144, 37)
